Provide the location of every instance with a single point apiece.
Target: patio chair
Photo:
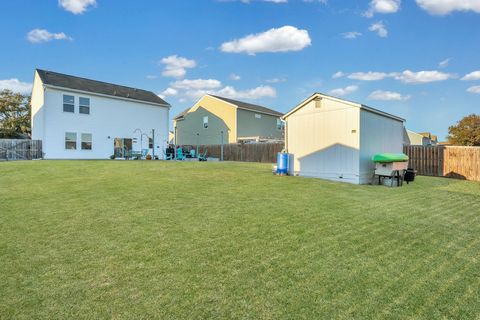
(167, 156)
(203, 157)
(180, 154)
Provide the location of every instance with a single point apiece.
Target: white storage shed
(335, 139)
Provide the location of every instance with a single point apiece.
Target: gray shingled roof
(114, 90)
(181, 114)
(249, 106)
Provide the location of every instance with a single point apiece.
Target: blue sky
(418, 59)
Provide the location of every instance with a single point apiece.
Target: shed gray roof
(76, 83)
(250, 106)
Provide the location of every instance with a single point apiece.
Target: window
(70, 140)
(68, 103)
(258, 116)
(279, 124)
(84, 104)
(86, 141)
(150, 143)
(205, 122)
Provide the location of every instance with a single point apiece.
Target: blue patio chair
(167, 156)
(180, 154)
(202, 157)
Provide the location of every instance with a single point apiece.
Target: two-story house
(214, 119)
(78, 118)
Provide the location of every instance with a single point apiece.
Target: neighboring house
(78, 118)
(215, 119)
(335, 139)
(433, 139)
(419, 139)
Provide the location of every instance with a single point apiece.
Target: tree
(466, 132)
(15, 111)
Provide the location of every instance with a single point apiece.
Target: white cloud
(474, 89)
(351, 35)
(235, 77)
(387, 95)
(444, 63)
(170, 92)
(276, 80)
(76, 6)
(343, 91)
(150, 77)
(379, 28)
(338, 75)
(176, 67)
(196, 88)
(411, 77)
(443, 7)
(42, 35)
(368, 76)
(475, 75)
(196, 84)
(250, 94)
(282, 39)
(15, 85)
(382, 6)
(231, 92)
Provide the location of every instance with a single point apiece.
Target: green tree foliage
(15, 111)
(466, 132)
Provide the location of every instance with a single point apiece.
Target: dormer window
(68, 103)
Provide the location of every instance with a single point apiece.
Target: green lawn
(145, 239)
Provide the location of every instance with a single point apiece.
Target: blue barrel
(282, 163)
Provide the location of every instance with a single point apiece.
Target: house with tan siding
(214, 119)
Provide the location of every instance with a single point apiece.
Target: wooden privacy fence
(255, 152)
(445, 161)
(20, 149)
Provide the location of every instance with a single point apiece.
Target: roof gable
(358, 105)
(60, 80)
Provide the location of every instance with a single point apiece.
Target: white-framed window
(84, 105)
(258, 116)
(279, 124)
(71, 140)
(86, 141)
(205, 122)
(68, 103)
